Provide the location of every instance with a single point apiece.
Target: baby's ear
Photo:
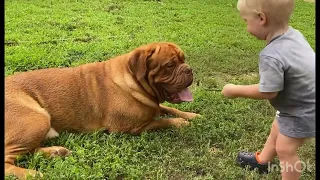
(263, 18)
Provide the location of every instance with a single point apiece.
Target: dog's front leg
(176, 112)
(161, 123)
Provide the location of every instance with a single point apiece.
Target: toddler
(287, 80)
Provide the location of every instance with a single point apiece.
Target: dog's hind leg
(20, 173)
(26, 125)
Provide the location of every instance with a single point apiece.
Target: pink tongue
(185, 95)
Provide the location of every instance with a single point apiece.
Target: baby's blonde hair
(276, 11)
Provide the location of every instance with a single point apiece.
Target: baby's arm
(246, 91)
(271, 73)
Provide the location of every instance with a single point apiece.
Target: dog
(120, 95)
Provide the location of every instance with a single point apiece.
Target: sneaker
(249, 159)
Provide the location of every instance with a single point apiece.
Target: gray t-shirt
(287, 66)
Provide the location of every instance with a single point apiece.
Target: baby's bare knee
(285, 151)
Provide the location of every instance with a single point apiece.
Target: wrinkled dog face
(160, 68)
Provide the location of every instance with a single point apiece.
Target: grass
(43, 34)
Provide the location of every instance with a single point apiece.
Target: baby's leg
(261, 159)
(286, 148)
(268, 152)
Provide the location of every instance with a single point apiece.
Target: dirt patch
(216, 80)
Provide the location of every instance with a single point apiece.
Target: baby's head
(265, 15)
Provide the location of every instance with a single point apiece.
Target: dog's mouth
(181, 96)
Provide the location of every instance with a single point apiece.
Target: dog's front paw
(190, 115)
(59, 151)
(55, 151)
(179, 122)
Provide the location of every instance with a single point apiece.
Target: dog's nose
(190, 82)
(188, 71)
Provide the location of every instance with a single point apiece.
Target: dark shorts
(296, 127)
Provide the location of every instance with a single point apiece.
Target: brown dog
(118, 95)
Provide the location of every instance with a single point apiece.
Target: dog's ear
(138, 62)
(178, 51)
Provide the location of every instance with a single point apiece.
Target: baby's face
(255, 26)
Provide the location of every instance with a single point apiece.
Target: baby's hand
(229, 90)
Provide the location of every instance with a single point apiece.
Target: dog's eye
(170, 65)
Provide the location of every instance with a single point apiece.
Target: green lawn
(41, 34)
